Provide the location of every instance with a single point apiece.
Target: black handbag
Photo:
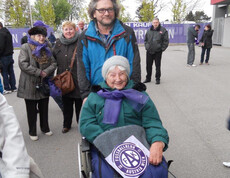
(43, 87)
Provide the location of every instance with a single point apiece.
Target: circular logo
(130, 159)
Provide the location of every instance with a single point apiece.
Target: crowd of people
(106, 71)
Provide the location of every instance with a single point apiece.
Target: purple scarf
(39, 47)
(114, 99)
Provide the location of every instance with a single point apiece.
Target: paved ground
(193, 103)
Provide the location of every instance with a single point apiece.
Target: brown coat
(63, 55)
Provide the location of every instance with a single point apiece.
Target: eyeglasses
(102, 10)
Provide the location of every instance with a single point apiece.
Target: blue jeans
(207, 54)
(191, 53)
(8, 73)
(1, 89)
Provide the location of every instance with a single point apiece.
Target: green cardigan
(92, 113)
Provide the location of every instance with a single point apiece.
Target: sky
(131, 6)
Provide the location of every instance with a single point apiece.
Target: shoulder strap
(73, 58)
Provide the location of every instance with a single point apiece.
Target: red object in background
(216, 1)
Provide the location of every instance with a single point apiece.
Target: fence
(177, 32)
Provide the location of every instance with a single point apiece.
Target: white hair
(119, 67)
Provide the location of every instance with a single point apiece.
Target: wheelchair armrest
(85, 145)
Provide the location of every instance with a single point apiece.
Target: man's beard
(107, 24)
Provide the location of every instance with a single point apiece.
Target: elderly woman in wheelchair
(116, 110)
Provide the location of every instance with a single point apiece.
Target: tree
(124, 16)
(83, 15)
(149, 9)
(76, 6)
(17, 18)
(44, 11)
(1, 9)
(200, 16)
(9, 8)
(190, 16)
(178, 10)
(62, 10)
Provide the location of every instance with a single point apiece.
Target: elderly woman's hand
(43, 74)
(156, 153)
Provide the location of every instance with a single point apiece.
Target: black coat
(156, 40)
(207, 39)
(6, 43)
(24, 40)
(63, 55)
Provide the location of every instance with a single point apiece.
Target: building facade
(221, 22)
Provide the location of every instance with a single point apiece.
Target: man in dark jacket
(192, 35)
(24, 39)
(156, 41)
(6, 57)
(106, 36)
(52, 39)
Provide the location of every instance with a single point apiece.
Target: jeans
(1, 88)
(8, 73)
(191, 53)
(207, 54)
(149, 63)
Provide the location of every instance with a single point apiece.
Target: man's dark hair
(197, 25)
(1, 25)
(209, 26)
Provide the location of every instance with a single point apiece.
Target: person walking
(36, 63)
(156, 41)
(105, 36)
(63, 52)
(206, 43)
(6, 58)
(192, 35)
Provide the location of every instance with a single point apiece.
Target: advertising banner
(17, 34)
(177, 32)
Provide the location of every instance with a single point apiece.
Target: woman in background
(63, 53)
(36, 63)
(206, 43)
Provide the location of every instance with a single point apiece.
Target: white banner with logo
(130, 158)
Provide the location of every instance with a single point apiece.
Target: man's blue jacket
(92, 53)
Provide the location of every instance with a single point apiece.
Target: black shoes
(158, 82)
(147, 81)
(65, 130)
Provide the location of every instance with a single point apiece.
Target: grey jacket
(30, 73)
(63, 55)
(156, 40)
(192, 34)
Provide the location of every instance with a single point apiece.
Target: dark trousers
(68, 110)
(32, 108)
(149, 63)
(207, 54)
(8, 73)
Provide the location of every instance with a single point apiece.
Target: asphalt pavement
(193, 103)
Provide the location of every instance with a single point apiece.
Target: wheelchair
(84, 158)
